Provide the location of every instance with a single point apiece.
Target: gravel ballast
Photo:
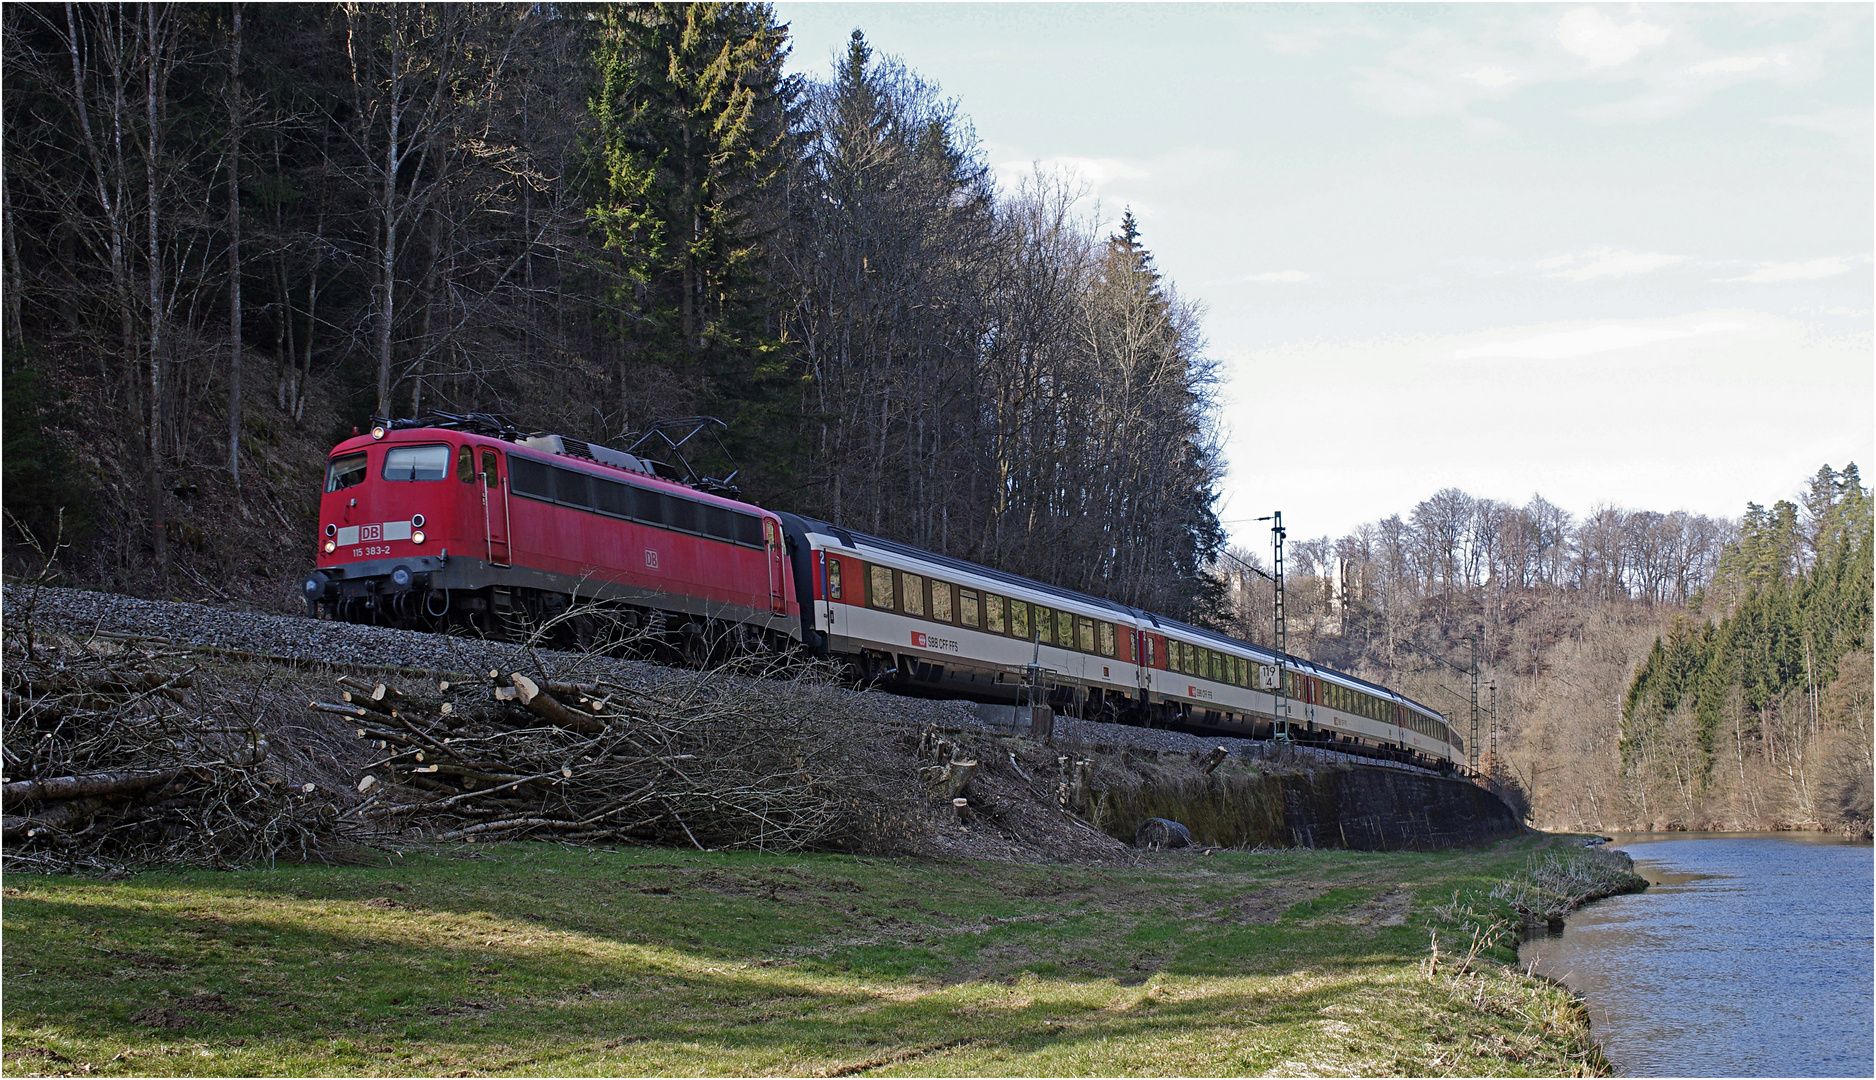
(307, 640)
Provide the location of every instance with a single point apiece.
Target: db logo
(651, 559)
(918, 640)
(371, 532)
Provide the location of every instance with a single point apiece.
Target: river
(1748, 955)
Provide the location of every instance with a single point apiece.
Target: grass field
(540, 959)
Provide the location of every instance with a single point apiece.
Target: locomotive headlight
(331, 546)
(416, 521)
(377, 431)
(332, 530)
(400, 577)
(417, 537)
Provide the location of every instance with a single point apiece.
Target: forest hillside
(1635, 669)
(233, 233)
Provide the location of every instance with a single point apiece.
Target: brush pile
(708, 763)
(117, 756)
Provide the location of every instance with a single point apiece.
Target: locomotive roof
(850, 536)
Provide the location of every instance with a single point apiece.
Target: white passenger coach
(933, 624)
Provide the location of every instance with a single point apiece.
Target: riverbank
(544, 959)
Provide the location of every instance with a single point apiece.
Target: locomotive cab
(397, 508)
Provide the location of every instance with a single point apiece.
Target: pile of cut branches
(709, 762)
(115, 757)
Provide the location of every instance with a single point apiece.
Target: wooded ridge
(234, 232)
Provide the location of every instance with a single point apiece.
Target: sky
(1615, 255)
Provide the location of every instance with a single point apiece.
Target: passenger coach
(931, 624)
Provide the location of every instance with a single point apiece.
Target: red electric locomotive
(463, 520)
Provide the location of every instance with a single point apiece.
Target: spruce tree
(694, 116)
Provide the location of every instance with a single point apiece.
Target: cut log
(1216, 758)
(73, 787)
(58, 816)
(543, 705)
(949, 780)
(364, 701)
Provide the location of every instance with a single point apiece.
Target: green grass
(540, 959)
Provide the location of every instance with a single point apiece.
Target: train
(466, 522)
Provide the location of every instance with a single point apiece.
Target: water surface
(1749, 955)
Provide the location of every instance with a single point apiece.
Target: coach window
(1107, 639)
(1152, 657)
(465, 464)
(968, 612)
(941, 601)
(1019, 619)
(1044, 620)
(881, 582)
(833, 579)
(1065, 630)
(912, 593)
(1084, 634)
(416, 462)
(347, 471)
(993, 613)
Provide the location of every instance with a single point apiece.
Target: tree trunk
(234, 253)
(159, 535)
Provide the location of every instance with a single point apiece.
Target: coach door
(772, 535)
(494, 508)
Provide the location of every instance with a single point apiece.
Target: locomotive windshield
(416, 462)
(345, 472)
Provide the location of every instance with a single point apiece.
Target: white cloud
(1843, 123)
(1284, 277)
(1569, 344)
(1305, 40)
(1602, 41)
(1807, 270)
(1728, 65)
(1660, 56)
(1490, 76)
(1607, 263)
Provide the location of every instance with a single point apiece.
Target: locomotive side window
(416, 462)
(879, 578)
(1019, 619)
(570, 489)
(490, 475)
(647, 505)
(680, 514)
(993, 613)
(941, 601)
(344, 472)
(912, 590)
(968, 612)
(466, 464)
(717, 521)
(833, 579)
(749, 529)
(531, 477)
(612, 498)
(1107, 639)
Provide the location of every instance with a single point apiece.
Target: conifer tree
(694, 115)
